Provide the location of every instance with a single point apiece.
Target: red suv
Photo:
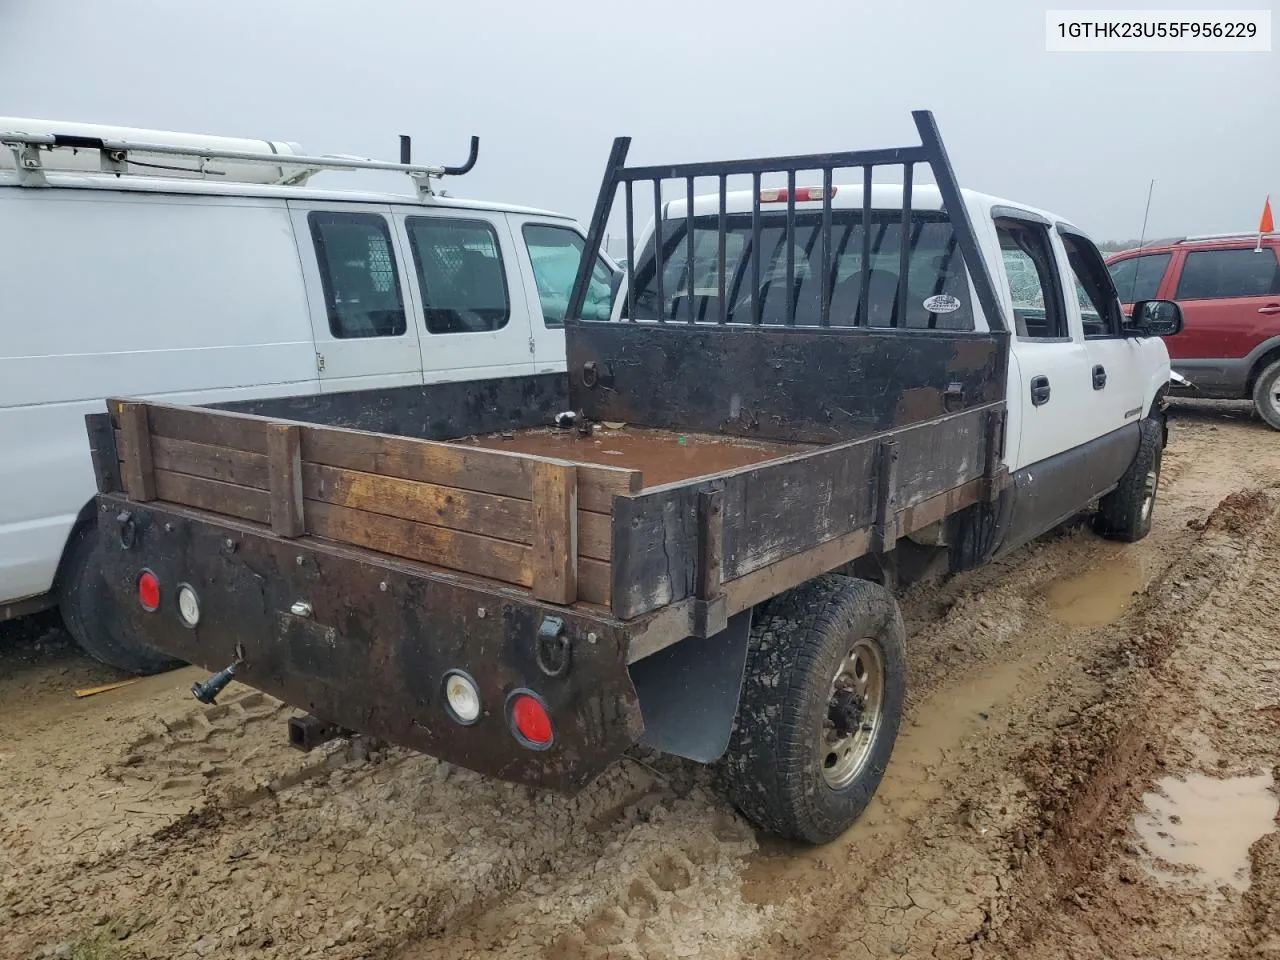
(1229, 291)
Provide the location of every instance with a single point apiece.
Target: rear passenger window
(1039, 312)
(935, 278)
(555, 253)
(1211, 274)
(358, 273)
(1138, 278)
(460, 273)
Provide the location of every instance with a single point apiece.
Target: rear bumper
(373, 653)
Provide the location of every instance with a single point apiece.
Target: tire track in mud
(1179, 706)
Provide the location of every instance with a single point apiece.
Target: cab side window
(1039, 311)
(1217, 274)
(460, 273)
(555, 253)
(1138, 278)
(1099, 306)
(358, 274)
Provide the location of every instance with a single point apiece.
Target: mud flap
(689, 692)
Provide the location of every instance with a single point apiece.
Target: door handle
(1270, 308)
(952, 397)
(1039, 391)
(1099, 376)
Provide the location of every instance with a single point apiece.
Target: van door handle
(1099, 376)
(1039, 391)
(952, 397)
(1270, 308)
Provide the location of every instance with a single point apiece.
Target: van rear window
(935, 272)
(358, 273)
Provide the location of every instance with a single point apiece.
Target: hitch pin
(208, 691)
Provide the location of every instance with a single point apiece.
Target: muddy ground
(1087, 770)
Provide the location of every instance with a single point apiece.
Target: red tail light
(803, 194)
(148, 591)
(530, 721)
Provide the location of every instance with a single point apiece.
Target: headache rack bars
(930, 151)
(27, 149)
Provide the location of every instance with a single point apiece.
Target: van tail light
(803, 194)
(530, 721)
(149, 591)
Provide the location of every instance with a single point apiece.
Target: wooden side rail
(530, 521)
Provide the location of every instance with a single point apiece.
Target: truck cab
(1081, 376)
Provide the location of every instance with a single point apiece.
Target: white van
(204, 269)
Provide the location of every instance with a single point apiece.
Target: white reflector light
(463, 698)
(188, 605)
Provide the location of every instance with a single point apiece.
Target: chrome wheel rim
(1273, 396)
(1149, 492)
(855, 708)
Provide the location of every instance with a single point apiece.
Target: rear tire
(89, 614)
(1126, 512)
(820, 709)
(1266, 395)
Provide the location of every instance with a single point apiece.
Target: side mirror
(1154, 318)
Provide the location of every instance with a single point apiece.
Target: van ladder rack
(27, 149)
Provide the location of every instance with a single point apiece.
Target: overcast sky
(546, 85)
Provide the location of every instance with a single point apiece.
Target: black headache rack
(930, 151)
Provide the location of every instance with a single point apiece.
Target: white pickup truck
(690, 539)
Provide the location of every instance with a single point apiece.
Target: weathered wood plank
(597, 486)
(593, 581)
(466, 552)
(710, 543)
(595, 535)
(218, 428)
(885, 534)
(504, 518)
(214, 463)
(105, 453)
(457, 465)
(780, 508)
(555, 532)
(654, 549)
(139, 470)
(284, 459)
(448, 464)
(213, 495)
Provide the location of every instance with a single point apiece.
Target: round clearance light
(462, 697)
(149, 591)
(188, 605)
(530, 720)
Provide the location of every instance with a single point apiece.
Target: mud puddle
(1203, 827)
(1099, 595)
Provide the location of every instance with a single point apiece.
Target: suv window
(1099, 306)
(1039, 312)
(1138, 278)
(1210, 274)
(460, 274)
(555, 253)
(935, 269)
(358, 274)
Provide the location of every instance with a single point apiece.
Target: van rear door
(466, 284)
(366, 332)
